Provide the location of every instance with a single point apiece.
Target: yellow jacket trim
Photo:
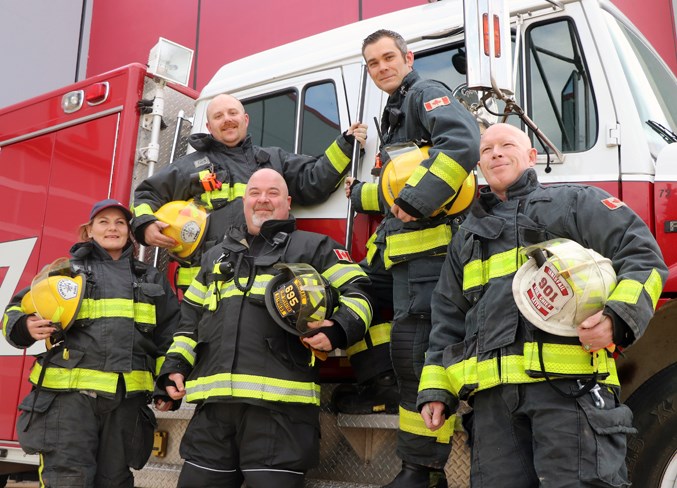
(654, 287)
(369, 197)
(91, 379)
(250, 386)
(413, 423)
(143, 209)
(117, 307)
(415, 242)
(184, 346)
(336, 157)
(227, 192)
(379, 334)
(478, 273)
(560, 360)
(371, 248)
(185, 275)
(434, 377)
(360, 306)
(342, 273)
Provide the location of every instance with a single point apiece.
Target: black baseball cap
(110, 203)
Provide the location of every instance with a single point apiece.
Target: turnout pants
(413, 284)
(227, 443)
(528, 435)
(85, 440)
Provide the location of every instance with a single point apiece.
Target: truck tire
(652, 452)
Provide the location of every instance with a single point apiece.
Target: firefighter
(546, 408)
(406, 253)
(215, 176)
(254, 382)
(108, 320)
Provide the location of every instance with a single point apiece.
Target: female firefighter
(107, 320)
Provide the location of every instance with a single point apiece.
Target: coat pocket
(141, 442)
(38, 423)
(604, 440)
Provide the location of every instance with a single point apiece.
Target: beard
(258, 218)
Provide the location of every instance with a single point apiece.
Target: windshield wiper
(663, 131)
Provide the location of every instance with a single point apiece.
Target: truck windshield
(651, 82)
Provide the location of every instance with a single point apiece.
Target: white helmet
(561, 285)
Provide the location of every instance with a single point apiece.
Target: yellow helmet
(404, 160)
(56, 295)
(187, 225)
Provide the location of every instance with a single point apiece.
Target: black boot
(378, 395)
(411, 476)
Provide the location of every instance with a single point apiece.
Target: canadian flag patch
(436, 102)
(612, 203)
(343, 255)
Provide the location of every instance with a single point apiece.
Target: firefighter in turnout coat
(255, 383)
(87, 415)
(215, 176)
(405, 255)
(546, 409)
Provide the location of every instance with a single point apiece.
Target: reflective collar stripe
(250, 386)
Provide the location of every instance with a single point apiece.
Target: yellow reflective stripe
(417, 241)
(413, 423)
(341, 273)
(117, 307)
(143, 209)
(416, 175)
(360, 306)
(185, 276)
(91, 379)
(371, 248)
(379, 334)
(185, 347)
(434, 377)
(654, 287)
(627, 291)
(369, 197)
(251, 386)
(559, 359)
(478, 272)
(196, 292)
(226, 192)
(336, 157)
(158, 364)
(449, 171)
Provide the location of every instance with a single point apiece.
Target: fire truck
(580, 74)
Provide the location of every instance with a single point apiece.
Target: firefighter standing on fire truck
(255, 383)
(216, 174)
(546, 406)
(407, 251)
(87, 415)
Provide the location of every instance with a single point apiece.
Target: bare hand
(433, 415)
(178, 392)
(162, 405)
(359, 131)
(319, 341)
(348, 183)
(596, 332)
(153, 235)
(401, 214)
(38, 328)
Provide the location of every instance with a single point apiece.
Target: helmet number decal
(548, 291)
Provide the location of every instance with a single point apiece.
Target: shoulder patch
(201, 162)
(436, 102)
(612, 203)
(343, 255)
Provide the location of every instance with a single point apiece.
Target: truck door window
(447, 66)
(320, 118)
(272, 119)
(560, 97)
